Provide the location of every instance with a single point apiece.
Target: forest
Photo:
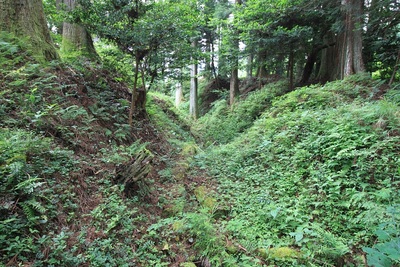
(200, 133)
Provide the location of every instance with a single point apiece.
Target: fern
(31, 207)
(332, 246)
(28, 186)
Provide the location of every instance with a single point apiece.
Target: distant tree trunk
(249, 69)
(59, 25)
(178, 94)
(374, 17)
(328, 69)
(134, 90)
(291, 70)
(234, 82)
(209, 70)
(280, 64)
(312, 59)
(213, 68)
(395, 68)
(221, 58)
(193, 108)
(262, 71)
(234, 85)
(143, 91)
(25, 18)
(75, 36)
(351, 61)
(309, 66)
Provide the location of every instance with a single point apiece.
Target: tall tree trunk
(249, 69)
(59, 7)
(262, 71)
(351, 61)
(221, 59)
(134, 90)
(280, 64)
(374, 19)
(143, 92)
(193, 107)
(234, 82)
(213, 68)
(309, 66)
(325, 64)
(395, 68)
(291, 70)
(25, 18)
(208, 70)
(75, 36)
(234, 85)
(178, 94)
(329, 64)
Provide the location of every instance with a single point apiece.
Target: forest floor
(85, 112)
(150, 190)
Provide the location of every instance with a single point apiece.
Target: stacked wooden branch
(136, 169)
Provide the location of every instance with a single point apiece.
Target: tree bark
(351, 61)
(262, 71)
(213, 68)
(59, 25)
(75, 36)
(329, 64)
(395, 68)
(178, 94)
(209, 57)
(193, 105)
(134, 90)
(234, 82)
(25, 18)
(142, 104)
(312, 59)
(291, 70)
(249, 69)
(234, 85)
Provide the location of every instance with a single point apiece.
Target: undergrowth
(63, 135)
(224, 123)
(318, 172)
(308, 178)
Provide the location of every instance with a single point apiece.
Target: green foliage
(47, 183)
(224, 123)
(13, 52)
(27, 165)
(149, 30)
(316, 171)
(386, 252)
(381, 40)
(114, 59)
(304, 179)
(168, 119)
(22, 84)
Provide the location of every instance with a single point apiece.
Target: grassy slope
(311, 180)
